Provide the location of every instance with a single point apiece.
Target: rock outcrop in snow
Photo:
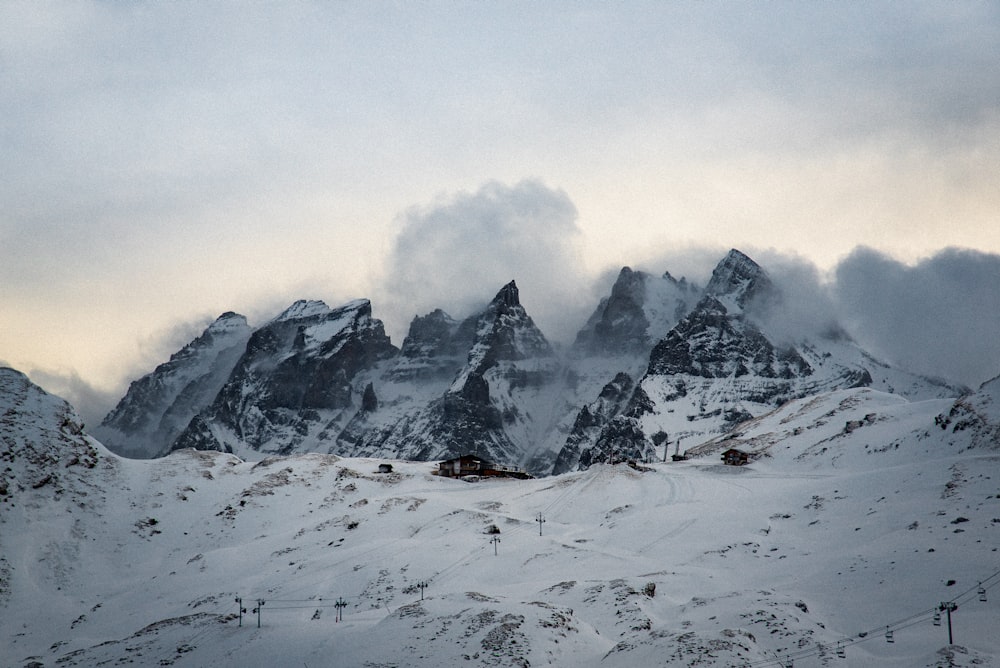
(44, 451)
(976, 417)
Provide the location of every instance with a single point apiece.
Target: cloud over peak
(939, 316)
(458, 251)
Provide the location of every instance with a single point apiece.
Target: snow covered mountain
(659, 360)
(978, 415)
(640, 310)
(294, 383)
(860, 516)
(484, 411)
(720, 366)
(159, 406)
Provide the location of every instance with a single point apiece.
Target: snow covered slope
(859, 516)
(720, 366)
(159, 406)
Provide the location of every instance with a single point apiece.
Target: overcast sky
(163, 162)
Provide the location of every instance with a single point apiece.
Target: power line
(977, 591)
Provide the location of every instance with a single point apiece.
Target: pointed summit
(505, 331)
(739, 278)
(228, 321)
(508, 296)
(619, 323)
(158, 406)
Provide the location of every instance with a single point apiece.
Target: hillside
(860, 515)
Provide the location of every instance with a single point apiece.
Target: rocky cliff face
(293, 384)
(159, 406)
(488, 408)
(435, 347)
(718, 367)
(640, 309)
(592, 419)
(45, 455)
(659, 360)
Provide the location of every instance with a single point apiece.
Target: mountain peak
(303, 308)
(228, 321)
(739, 277)
(508, 296)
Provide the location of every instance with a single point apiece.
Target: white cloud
(939, 316)
(457, 253)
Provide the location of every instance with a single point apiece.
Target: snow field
(833, 531)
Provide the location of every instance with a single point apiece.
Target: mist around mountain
(659, 362)
(860, 515)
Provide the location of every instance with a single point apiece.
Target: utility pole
(949, 607)
(540, 521)
(260, 604)
(423, 586)
(242, 610)
(496, 541)
(783, 662)
(340, 605)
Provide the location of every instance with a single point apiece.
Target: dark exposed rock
(622, 439)
(619, 322)
(369, 402)
(640, 309)
(591, 421)
(300, 363)
(435, 347)
(711, 343)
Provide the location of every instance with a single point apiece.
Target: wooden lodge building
(734, 457)
(470, 465)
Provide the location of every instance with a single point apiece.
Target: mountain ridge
(329, 380)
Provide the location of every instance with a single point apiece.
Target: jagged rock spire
(508, 296)
(739, 277)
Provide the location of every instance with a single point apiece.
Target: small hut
(734, 457)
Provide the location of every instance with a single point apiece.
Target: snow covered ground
(858, 516)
